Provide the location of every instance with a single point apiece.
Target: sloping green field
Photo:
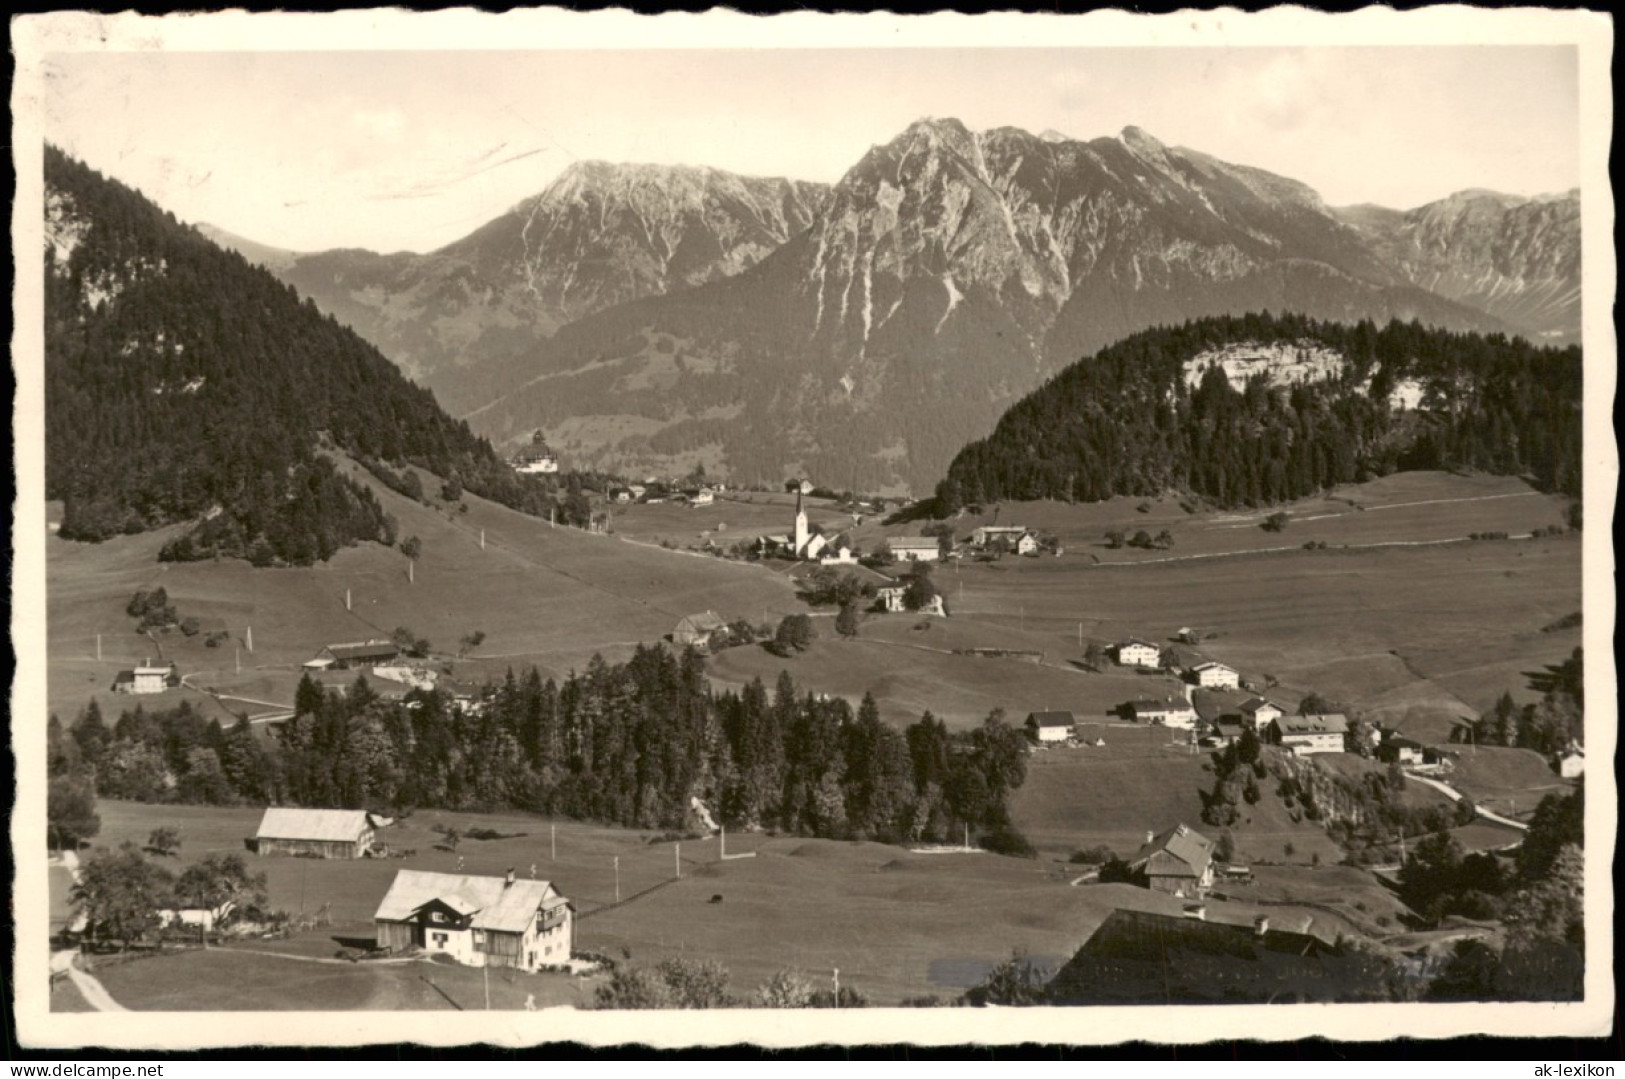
(541, 595)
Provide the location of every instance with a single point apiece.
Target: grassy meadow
(543, 596)
(892, 920)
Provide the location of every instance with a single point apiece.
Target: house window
(436, 916)
(439, 939)
(479, 938)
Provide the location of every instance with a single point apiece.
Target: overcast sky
(409, 151)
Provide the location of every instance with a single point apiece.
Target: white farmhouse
(1258, 712)
(149, 677)
(1168, 713)
(914, 548)
(477, 921)
(1304, 735)
(1213, 675)
(1050, 728)
(1137, 653)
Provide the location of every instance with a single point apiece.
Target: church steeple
(803, 534)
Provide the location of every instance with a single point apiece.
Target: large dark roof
(364, 650)
(1142, 957)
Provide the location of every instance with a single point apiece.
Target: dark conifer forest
(184, 384)
(628, 744)
(1125, 422)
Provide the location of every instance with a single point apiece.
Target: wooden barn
(321, 833)
(358, 654)
(1179, 862)
(477, 921)
(700, 629)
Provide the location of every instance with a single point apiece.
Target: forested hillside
(184, 384)
(1136, 418)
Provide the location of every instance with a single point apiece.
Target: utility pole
(98, 648)
(411, 571)
(617, 878)
(347, 599)
(1080, 634)
(482, 539)
(967, 835)
(677, 859)
(486, 967)
(553, 842)
(238, 652)
(249, 635)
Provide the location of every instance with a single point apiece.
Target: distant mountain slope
(599, 235)
(183, 383)
(1515, 258)
(947, 273)
(1258, 410)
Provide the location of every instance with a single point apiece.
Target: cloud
(386, 125)
(1289, 92)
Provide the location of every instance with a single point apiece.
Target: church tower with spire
(803, 534)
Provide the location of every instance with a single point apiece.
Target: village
(1164, 868)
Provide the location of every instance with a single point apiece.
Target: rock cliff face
(947, 273)
(1515, 258)
(599, 235)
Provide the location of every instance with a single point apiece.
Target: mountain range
(658, 318)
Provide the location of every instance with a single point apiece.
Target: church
(809, 542)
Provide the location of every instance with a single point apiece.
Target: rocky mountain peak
(1141, 141)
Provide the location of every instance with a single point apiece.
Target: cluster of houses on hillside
(1219, 722)
(382, 657)
(534, 460)
(474, 920)
(654, 494)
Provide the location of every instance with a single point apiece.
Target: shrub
(1007, 840)
(1093, 856)
(1275, 522)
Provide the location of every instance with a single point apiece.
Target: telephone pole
(617, 878)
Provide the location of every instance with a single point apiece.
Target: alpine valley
(654, 318)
